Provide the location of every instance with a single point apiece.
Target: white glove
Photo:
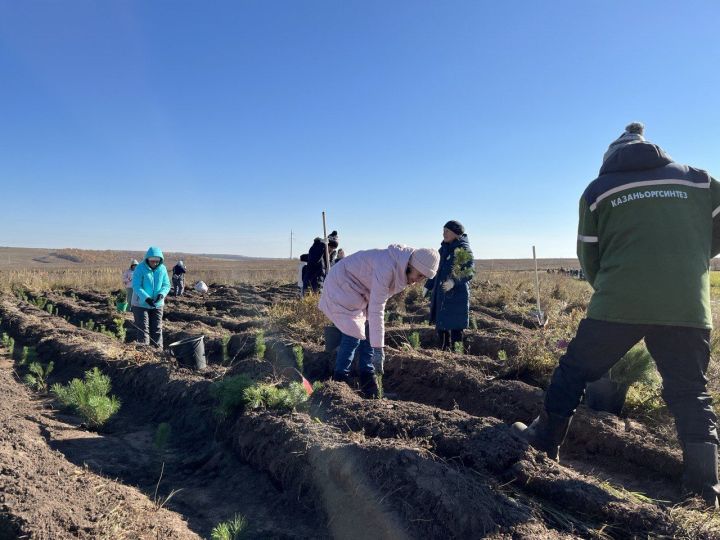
(448, 284)
(425, 292)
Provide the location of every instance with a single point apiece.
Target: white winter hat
(425, 261)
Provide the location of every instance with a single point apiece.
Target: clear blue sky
(218, 126)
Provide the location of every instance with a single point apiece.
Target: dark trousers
(149, 325)
(682, 355)
(178, 283)
(448, 339)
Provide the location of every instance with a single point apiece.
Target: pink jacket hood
(358, 286)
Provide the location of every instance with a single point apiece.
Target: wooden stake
(327, 248)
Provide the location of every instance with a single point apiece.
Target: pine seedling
(49, 308)
(636, 366)
(268, 396)
(37, 378)
(120, 331)
(299, 357)
(90, 325)
(414, 340)
(27, 355)
(462, 268)
(458, 347)
(229, 393)
(233, 529)
(89, 397)
(502, 355)
(225, 342)
(260, 346)
(162, 435)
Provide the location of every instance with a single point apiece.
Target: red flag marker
(308, 387)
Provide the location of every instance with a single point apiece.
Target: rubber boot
(342, 377)
(701, 472)
(368, 386)
(546, 433)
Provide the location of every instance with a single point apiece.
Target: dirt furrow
(598, 436)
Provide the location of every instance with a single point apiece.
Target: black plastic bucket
(190, 352)
(606, 395)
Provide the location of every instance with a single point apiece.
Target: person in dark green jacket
(648, 228)
(150, 287)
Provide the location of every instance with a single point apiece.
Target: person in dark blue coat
(178, 279)
(449, 290)
(316, 268)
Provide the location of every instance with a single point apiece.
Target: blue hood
(155, 252)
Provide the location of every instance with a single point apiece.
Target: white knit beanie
(425, 261)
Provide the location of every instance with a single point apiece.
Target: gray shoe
(546, 433)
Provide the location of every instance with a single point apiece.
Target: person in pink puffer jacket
(354, 296)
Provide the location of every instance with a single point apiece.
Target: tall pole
(327, 248)
(537, 289)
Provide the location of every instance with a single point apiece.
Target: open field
(41, 269)
(435, 459)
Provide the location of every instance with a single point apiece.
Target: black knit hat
(333, 239)
(455, 226)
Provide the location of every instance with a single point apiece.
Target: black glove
(150, 302)
(158, 297)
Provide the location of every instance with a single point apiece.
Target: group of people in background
(316, 263)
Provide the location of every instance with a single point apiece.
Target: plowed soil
(434, 459)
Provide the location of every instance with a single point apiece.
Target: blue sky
(218, 127)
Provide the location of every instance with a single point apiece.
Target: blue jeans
(346, 353)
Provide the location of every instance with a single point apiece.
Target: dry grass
(106, 278)
(300, 319)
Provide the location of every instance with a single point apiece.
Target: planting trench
(599, 438)
(44, 495)
(214, 483)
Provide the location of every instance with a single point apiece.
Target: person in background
(150, 287)
(317, 267)
(178, 279)
(355, 293)
(648, 227)
(127, 279)
(450, 293)
(302, 273)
